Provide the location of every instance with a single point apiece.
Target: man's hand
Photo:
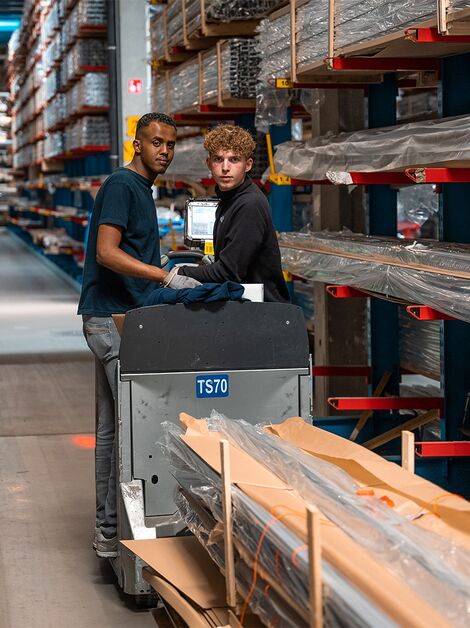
(178, 282)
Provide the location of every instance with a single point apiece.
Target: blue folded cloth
(205, 293)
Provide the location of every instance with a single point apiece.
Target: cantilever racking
(378, 67)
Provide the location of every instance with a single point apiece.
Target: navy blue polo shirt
(125, 199)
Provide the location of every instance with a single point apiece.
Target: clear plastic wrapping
(209, 75)
(420, 345)
(417, 204)
(88, 131)
(193, 15)
(157, 35)
(356, 22)
(312, 33)
(274, 48)
(86, 54)
(184, 82)
(427, 562)
(91, 92)
(369, 262)
(420, 103)
(174, 23)
(283, 560)
(189, 160)
(389, 148)
(159, 93)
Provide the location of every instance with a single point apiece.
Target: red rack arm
(443, 449)
(386, 64)
(432, 35)
(345, 292)
(426, 313)
(387, 403)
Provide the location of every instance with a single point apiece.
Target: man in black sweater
(245, 244)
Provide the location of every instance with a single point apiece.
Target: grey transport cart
(247, 360)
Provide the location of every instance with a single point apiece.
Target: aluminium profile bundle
(424, 560)
(344, 604)
(427, 273)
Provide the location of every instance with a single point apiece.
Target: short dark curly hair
(148, 118)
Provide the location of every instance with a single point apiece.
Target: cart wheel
(146, 600)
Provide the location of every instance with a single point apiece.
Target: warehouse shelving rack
(437, 51)
(58, 201)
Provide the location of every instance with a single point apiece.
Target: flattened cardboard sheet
(185, 564)
(371, 469)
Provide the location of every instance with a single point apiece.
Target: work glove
(178, 282)
(208, 259)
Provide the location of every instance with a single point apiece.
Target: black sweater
(245, 244)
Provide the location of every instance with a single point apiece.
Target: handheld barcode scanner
(199, 223)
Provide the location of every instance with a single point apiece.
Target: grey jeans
(103, 339)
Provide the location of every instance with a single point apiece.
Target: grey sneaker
(106, 548)
(95, 538)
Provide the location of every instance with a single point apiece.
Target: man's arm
(109, 254)
(244, 238)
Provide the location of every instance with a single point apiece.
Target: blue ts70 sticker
(212, 386)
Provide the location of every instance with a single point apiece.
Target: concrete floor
(49, 574)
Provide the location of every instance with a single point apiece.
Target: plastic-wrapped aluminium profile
(428, 273)
(420, 345)
(274, 44)
(160, 92)
(430, 142)
(189, 160)
(356, 22)
(283, 560)
(157, 35)
(174, 24)
(209, 76)
(184, 86)
(424, 560)
(239, 66)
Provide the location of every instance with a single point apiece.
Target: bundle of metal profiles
(420, 345)
(436, 274)
(390, 148)
(369, 551)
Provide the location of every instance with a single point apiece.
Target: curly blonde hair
(230, 137)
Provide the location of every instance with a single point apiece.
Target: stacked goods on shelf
(173, 26)
(417, 211)
(229, 73)
(416, 104)
(189, 160)
(225, 19)
(431, 273)
(160, 92)
(381, 559)
(274, 46)
(157, 37)
(239, 66)
(420, 346)
(184, 86)
(58, 78)
(432, 142)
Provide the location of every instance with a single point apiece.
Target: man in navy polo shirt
(122, 267)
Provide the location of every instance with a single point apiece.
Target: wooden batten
(220, 76)
(331, 28)
(293, 40)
